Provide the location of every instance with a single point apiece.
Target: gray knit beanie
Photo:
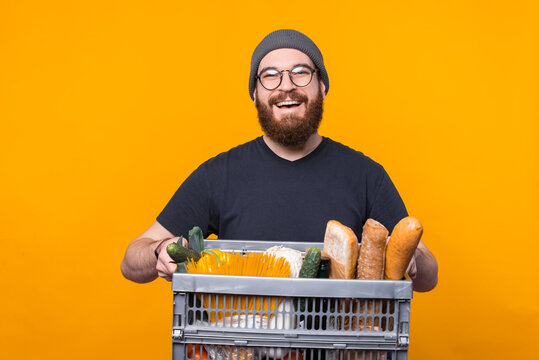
(287, 39)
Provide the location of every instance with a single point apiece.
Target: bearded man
(285, 185)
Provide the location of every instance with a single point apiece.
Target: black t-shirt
(250, 193)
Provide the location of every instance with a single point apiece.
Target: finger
(165, 257)
(165, 274)
(165, 268)
(160, 269)
(171, 268)
(185, 243)
(162, 266)
(411, 270)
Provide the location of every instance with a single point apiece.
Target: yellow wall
(106, 106)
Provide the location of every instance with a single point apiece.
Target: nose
(286, 83)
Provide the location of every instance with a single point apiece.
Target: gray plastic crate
(258, 318)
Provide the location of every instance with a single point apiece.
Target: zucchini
(180, 254)
(309, 268)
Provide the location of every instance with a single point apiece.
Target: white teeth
(283, 103)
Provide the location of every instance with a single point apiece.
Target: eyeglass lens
(300, 76)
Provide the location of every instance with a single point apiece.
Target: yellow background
(107, 106)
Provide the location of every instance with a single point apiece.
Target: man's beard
(291, 130)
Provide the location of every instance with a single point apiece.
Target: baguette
(370, 265)
(401, 247)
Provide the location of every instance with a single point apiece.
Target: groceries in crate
(277, 261)
(324, 268)
(311, 263)
(181, 255)
(225, 352)
(293, 355)
(370, 265)
(309, 268)
(379, 257)
(227, 311)
(341, 246)
(248, 307)
(196, 352)
(250, 264)
(356, 354)
(401, 247)
(293, 257)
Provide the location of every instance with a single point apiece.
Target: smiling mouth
(288, 104)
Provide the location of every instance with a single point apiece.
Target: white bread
(341, 246)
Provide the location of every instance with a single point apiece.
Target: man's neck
(293, 153)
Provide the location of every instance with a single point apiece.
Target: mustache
(288, 96)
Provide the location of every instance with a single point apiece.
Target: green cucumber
(309, 268)
(180, 254)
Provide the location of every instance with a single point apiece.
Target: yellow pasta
(252, 264)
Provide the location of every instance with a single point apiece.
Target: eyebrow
(293, 66)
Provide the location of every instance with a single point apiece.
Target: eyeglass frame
(289, 76)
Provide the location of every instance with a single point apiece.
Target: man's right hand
(165, 266)
(139, 263)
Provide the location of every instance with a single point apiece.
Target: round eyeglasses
(300, 76)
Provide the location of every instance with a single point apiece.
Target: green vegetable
(180, 254)
(182, 267)
(196, 239)
(309, 268)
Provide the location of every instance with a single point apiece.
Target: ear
(254, 96)
(323, 88)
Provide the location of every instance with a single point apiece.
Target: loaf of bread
(341, 246)
(370, 265)
(401, 247)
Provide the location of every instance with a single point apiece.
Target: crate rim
(279, 286)
(292, 287)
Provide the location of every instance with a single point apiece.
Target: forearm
(139, 262)
(424, 271)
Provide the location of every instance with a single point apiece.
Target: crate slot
(234, 352)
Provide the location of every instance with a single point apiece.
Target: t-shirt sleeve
(189, 206)
(386, 205)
